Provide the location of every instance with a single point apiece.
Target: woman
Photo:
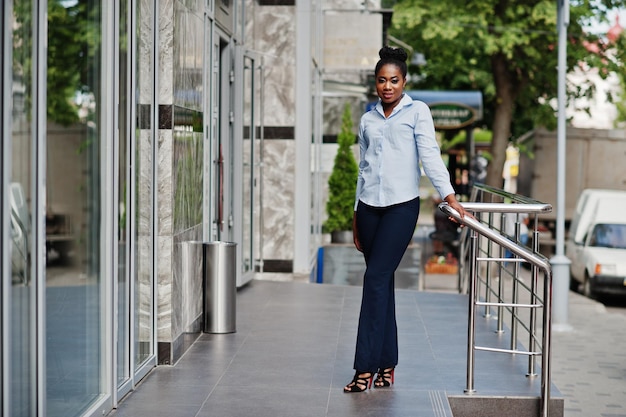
(393, 138)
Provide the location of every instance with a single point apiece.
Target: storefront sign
(451, 115)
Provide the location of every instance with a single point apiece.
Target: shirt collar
(404, 101)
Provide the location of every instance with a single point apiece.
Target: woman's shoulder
(418, 105)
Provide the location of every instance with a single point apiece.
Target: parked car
(596, 245)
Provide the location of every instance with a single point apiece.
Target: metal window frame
(6, 53)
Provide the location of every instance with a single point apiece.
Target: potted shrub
(342, 184)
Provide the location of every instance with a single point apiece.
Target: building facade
(132, 131)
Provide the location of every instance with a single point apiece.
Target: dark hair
(395, 56)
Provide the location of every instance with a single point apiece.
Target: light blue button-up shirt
(391, 148)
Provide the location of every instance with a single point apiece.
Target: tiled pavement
(293, 352)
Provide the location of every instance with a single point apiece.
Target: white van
(596, 244)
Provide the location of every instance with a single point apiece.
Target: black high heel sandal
(385, 378)
(360, 382)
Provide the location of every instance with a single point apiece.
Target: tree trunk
(505, 99)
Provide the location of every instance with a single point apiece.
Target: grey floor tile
(265, 401)
(293, 352)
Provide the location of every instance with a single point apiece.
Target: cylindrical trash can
(220, 287)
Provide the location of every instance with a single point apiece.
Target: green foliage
(342, 180)
(73, 51)
(506, 50)
(620, 69)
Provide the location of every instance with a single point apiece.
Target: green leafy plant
(342, 181)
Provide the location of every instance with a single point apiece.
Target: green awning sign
(452, 115)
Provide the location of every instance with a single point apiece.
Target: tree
(73, 44)
(620, 69)
(507, 50)
(342, 180)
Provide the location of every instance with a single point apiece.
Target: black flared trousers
(384, 233)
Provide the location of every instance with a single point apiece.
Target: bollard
(220, 287)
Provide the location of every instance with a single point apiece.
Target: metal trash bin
(220, 287)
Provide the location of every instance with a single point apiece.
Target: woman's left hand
(454, 203)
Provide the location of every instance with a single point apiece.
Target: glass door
(142, 195)
(251, 161)
(220, 183)
(135, 348)
(20, 206)
(76, 170)
(122, 299)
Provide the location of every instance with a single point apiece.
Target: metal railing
(484, 266)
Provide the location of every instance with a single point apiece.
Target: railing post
(546, 363)
(534, 275)
(471, 327)
(488, 272)
(484, 229)
(501, 254)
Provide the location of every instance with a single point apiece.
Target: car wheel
(587, 290)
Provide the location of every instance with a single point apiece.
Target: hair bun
(396, 54)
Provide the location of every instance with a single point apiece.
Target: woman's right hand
(355, 234)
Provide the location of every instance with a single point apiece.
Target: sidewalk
(588, 355)
(293, 353)
(293, 349)
(589, 360)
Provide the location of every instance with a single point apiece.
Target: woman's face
(389, 85)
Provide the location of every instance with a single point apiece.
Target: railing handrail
(535, 258)
(522, 205)
(537, 208)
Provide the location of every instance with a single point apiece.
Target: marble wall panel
(164, 292)
(164, 183)
(166, 51)
(145, 51)
(273, 33)
(188, 57)
(278, 197)
(143, 197)
(145, 245)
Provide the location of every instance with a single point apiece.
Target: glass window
(123, 284)
(73, 211)
(609, 236)
(143, 181)
(20, 230)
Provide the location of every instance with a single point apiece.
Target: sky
(602, 28)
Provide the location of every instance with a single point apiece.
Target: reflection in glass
(73, 217)
(20, 224)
